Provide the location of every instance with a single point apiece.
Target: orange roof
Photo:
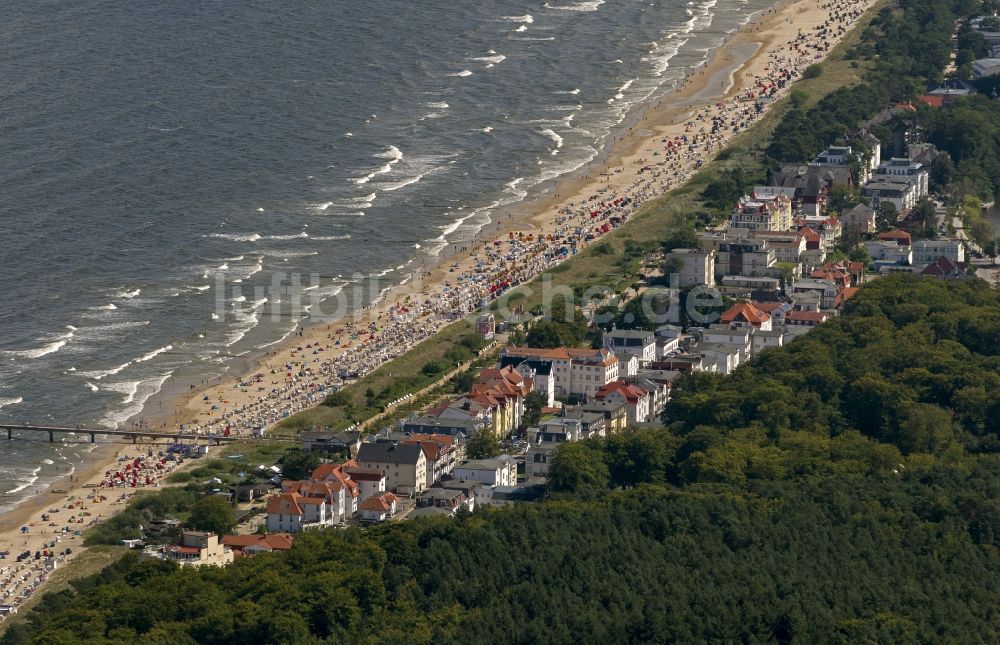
(381, 502)
(285, 504)
(559, 353)
(813, 316)
(845, 294)
(631, 393)
(900, 237)
(273, 541)
(809, 234)
(745, 311)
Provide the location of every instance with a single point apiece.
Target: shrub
(813, 71)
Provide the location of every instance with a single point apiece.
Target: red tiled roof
(381, 502)
(631, 393)
(273, 541)
(809, 234)
(806, 316)
(745, 311)
(901, 238)
(285, 504)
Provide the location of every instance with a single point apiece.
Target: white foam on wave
(51, 347)
(31, 480)
(512, 187)
(128, 388)
(153, 354)
(248, 237)
(492, 60)
(246, 319)
(136, 394)
(405, 183)
(590, 5)
(97, 375)
(11, 401)
(394, 156)
(558, 140)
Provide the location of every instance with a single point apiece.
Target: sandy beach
(659, 148)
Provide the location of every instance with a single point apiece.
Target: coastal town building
(578, 372)
(631, 342)
(928, 251)
(764, 213)
(501, 471)
(290, 512)
(637, 401)
(378, 508)
(696, 266)
(248, 545)
(405, 465)
(197, 549)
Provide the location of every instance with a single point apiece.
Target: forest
(842, 488)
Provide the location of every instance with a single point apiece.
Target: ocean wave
(31, 480)
(493, 60)
(51, 347)
(405, 183)
(136, 394)
(127, 388)
(591, 5)
(12, 401)
(511, 186)
(153, 354)
(249, 237)
(97, 375)
(394, 156)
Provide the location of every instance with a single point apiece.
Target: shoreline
(729, 64)
(522, 215)
(746, 56)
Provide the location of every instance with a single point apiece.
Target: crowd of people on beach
(384, 331)
(393, 325)
(47, 541)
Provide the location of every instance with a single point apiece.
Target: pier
(135, 435)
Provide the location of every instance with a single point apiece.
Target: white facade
(492, 472)
(928, 251)
(627, 342)
(697, 266)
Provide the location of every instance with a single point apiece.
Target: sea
(177, 178)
